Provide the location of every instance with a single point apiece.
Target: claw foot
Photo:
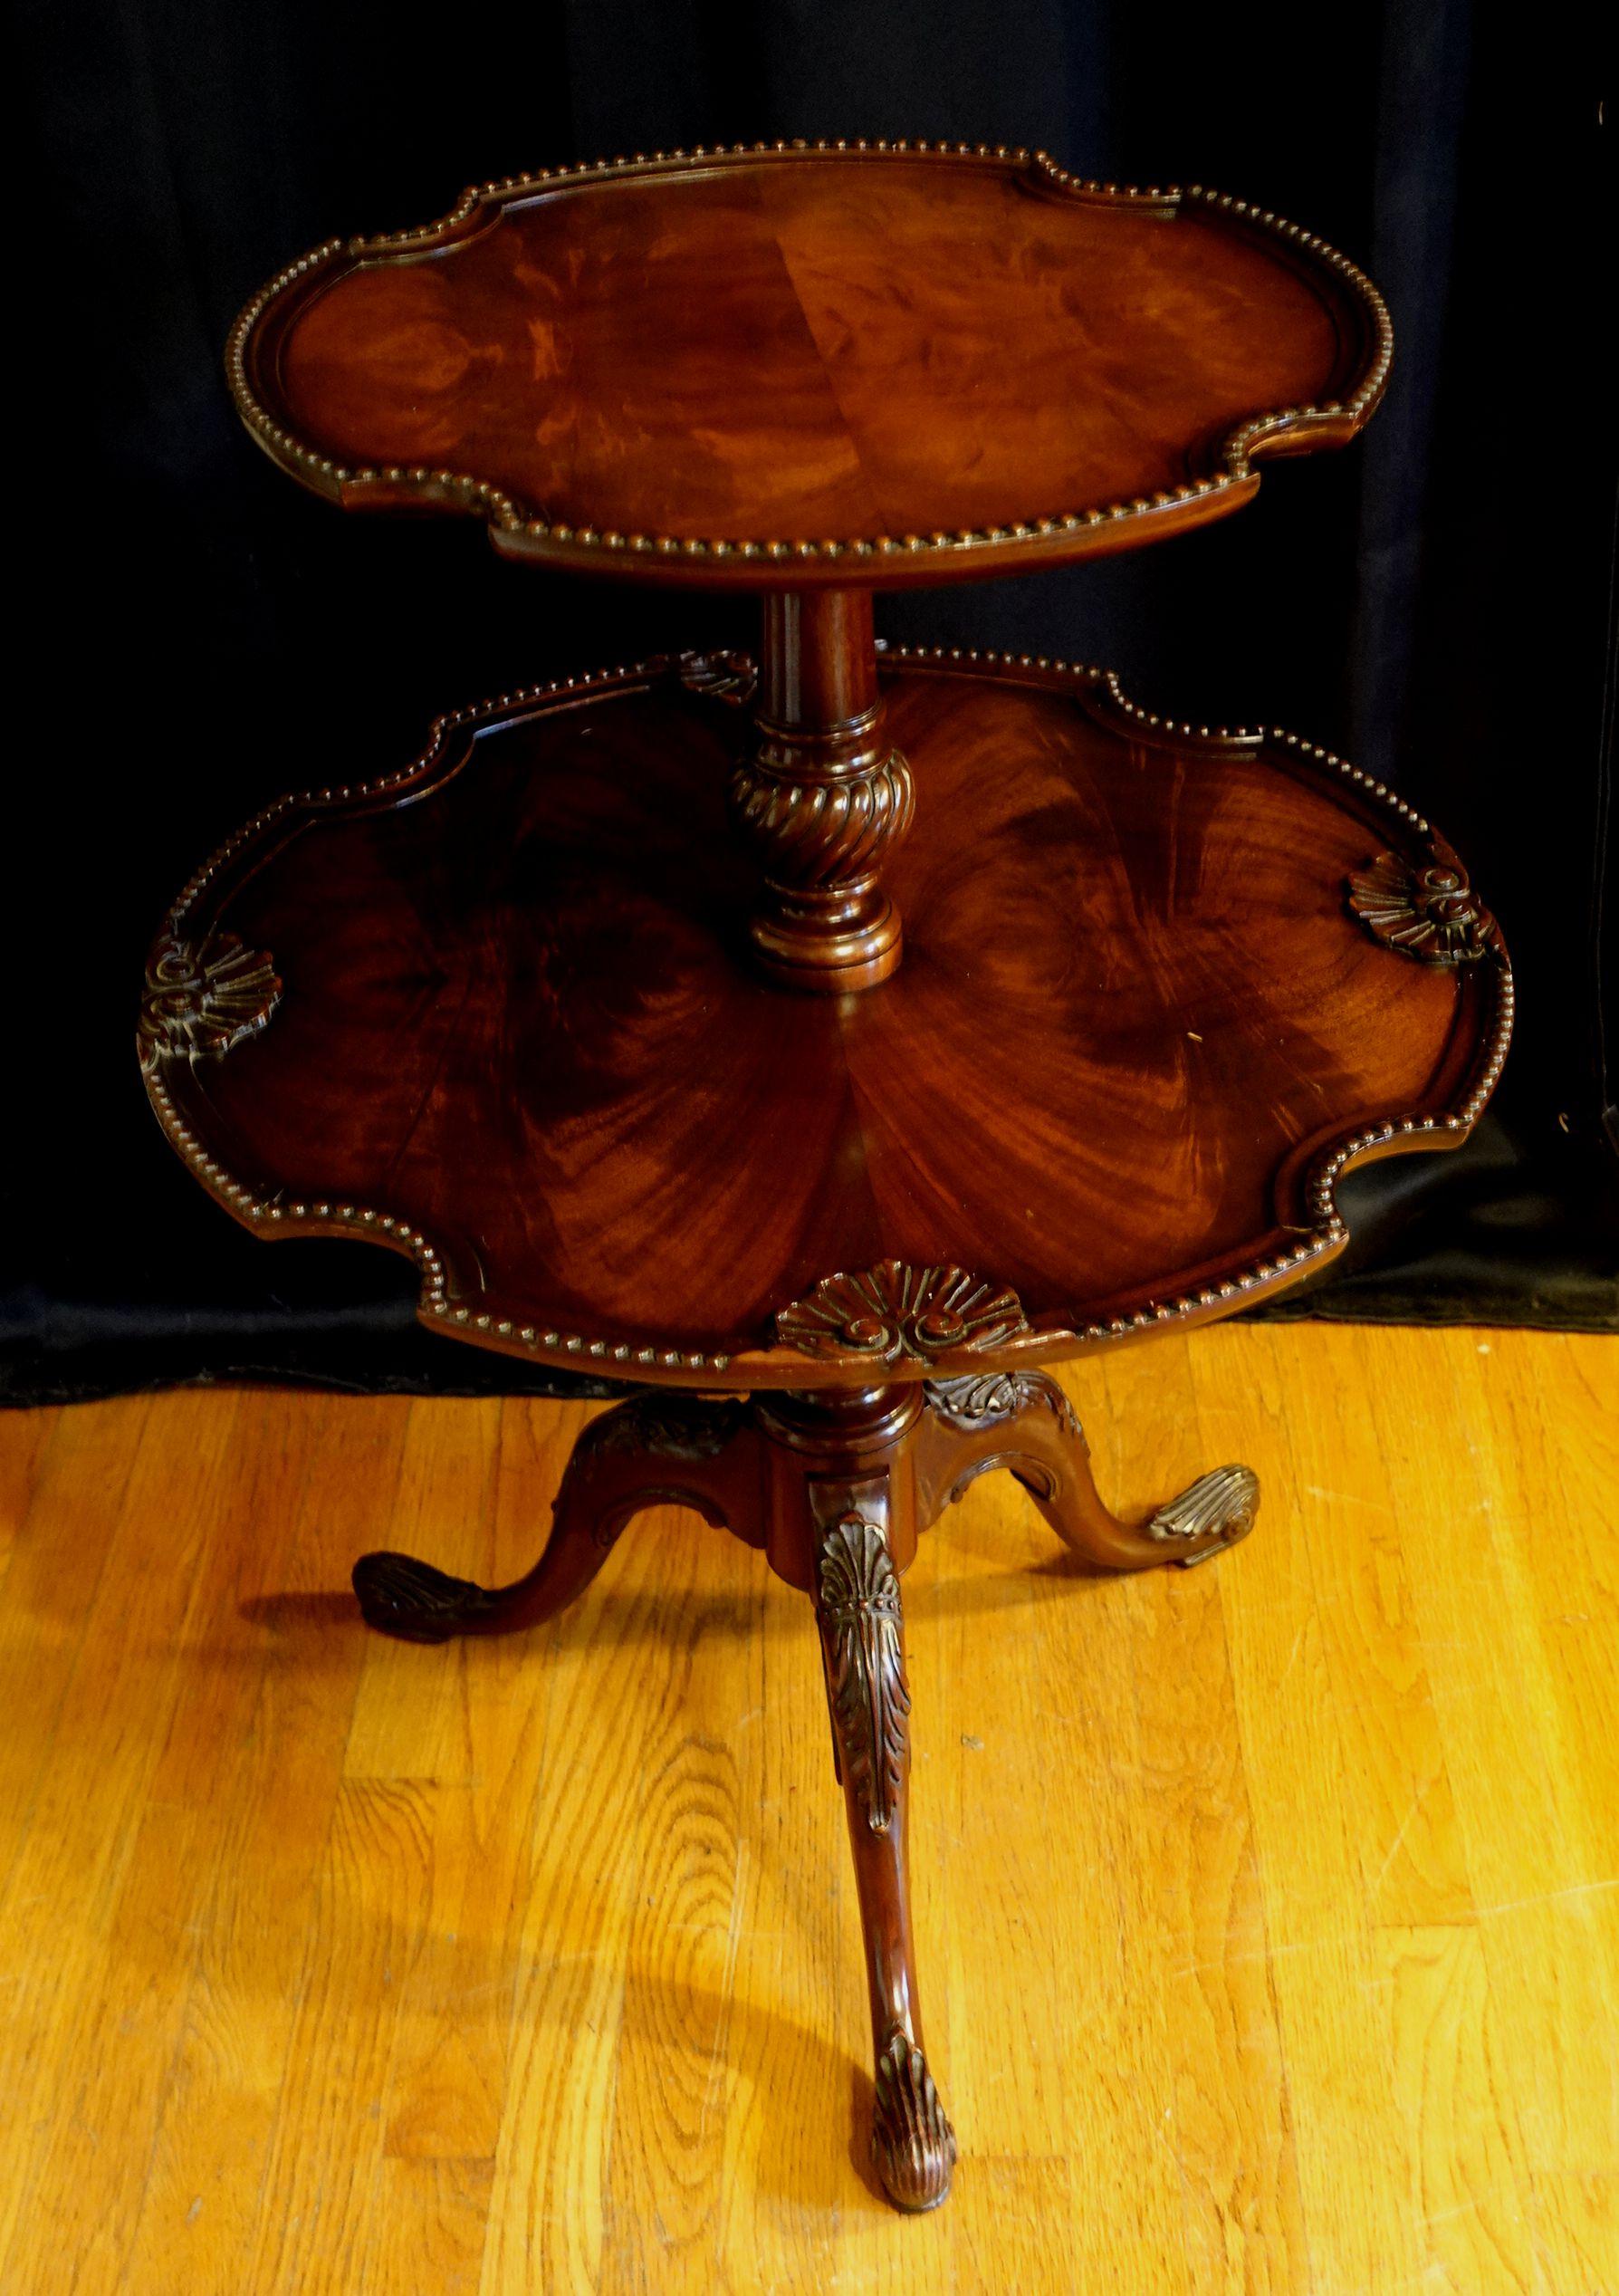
(1210, 1515)
(912, 2145)
(400, 1596)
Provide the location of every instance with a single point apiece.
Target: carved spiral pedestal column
(822, 796)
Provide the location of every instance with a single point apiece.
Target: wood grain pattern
(520, 1025)
(572, 1997)
(98, 1846)
(21, 1465)
(758, 368)
(271, 1806)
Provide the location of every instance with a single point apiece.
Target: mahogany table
(829, 1046)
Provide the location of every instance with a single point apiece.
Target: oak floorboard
(1469, 2199)
(58, 1548)
(1545, 1904)
(86, 1999)
(270, 1781)
(1232, 2113)
(1301, 1783)
(1576, 2232)
(1268, 1913)
(169, 1892)
(22, 1457)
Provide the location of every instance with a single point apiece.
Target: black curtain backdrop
(1435, 603)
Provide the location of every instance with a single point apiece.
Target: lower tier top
(1161, 988)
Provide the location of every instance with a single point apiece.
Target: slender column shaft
(817, 661)
(822, 796)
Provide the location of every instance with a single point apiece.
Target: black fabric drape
(1435, 603)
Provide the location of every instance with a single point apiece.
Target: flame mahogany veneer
(776, 367)
(1134, 1024)
(843, 1037)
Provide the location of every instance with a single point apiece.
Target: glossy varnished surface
(824, 347)
(1134, 1015)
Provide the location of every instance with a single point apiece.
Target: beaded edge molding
(1336, 420)
(1099, 691)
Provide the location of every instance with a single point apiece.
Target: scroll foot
(1209, 1515)
(912, 2145)
(1023, 1421)
(412, 1600)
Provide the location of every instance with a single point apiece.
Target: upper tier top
(771, 367)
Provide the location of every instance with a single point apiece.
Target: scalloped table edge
(1292, 1251)
(521, 531)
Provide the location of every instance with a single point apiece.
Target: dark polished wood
(528, 1009)
(653, 1451)
(844, 364)
(822, 797)
(835, 1488)
(850, 1513)
(1138, 1032)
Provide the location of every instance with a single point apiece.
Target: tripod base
(836, 1487)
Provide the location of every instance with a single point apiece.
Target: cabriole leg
(654, 1451)
(862, 1635)
(1022, 1421)
(845, 1532)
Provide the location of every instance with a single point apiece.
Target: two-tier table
(825, 1044)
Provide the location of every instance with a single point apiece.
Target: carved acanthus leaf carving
(667, 1427)
(892, 1311)
(1432, 912)
(981, 1399)
(858, 1614)
(912, 2145)
(202, 996)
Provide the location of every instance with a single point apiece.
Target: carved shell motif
(892, 1311)
(204, 996)
(1431, 913)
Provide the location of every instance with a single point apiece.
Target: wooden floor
(1268, 1913)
